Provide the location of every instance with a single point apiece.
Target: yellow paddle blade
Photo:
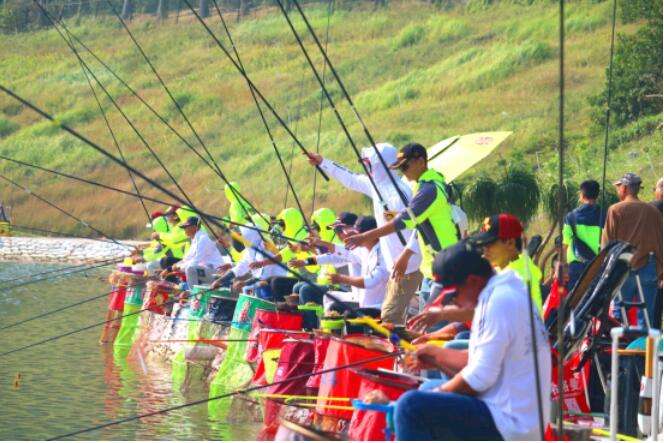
(455, 155)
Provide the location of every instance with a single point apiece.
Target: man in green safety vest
(429, 211)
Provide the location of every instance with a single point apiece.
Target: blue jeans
(423, 415)
(648, 276)
(574, 272)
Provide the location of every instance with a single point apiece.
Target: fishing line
(63, 308)
(63, 211)
(343, 90)
(22, 277)
(607, 125)
(126, 118)
(30, 282)
(340, 119)
(129, 193)
(62, 234)
(228, 394)
(297, 125)
(251, 84)
(330, 9)
(179, 108)
(112, 133)
(147, 105)
(289, 182)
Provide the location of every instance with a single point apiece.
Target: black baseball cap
(409, 152)
(191, 221)
(453, 265)
(365, 223)
(344, 219)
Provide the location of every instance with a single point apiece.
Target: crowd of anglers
(473, 305)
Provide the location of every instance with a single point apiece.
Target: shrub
(409, 36)
(7, 127)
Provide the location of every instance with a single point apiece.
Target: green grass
(415, 72)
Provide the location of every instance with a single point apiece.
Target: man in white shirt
(492, 390)
(405, 276)
(202, 258)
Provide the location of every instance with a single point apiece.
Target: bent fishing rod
(229, 394)
(252, 85)
(343, 124)
(263, 120)
(63, 211)
(133, 92)
(146, 197)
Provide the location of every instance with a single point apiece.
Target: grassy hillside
(416, 74)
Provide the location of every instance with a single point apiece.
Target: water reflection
(74, 383)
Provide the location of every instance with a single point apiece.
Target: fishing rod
(112, 133)
(30, 282)
(134, 93)
(63, 211)
(561, 215)
(262, 116)
(341, 121)
(132, 194)
(330, 9)
(216, 168)
(228, 394)
(125, 117)
(253, 86)
(63, 308)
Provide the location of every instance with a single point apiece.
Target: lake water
(73, 383)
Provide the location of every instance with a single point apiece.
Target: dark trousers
(424, 416)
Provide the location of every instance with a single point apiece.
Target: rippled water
(74, 383)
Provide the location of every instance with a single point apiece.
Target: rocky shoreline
(62, 250)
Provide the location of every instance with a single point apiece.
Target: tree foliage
(637, 67)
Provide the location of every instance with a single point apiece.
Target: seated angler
(203, 256)
(491, 390)
(368, 273)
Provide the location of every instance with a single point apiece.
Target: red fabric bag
(272, 339)
(370, 425)
(271, 320)
(344, 382)
(321, 342)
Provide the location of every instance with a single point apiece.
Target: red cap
(156, 214)
(498, 227)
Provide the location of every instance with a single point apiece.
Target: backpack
(582, 251)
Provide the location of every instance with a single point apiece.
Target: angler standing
(429, 211)
(404, 268)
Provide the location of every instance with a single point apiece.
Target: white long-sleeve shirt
(500, 358)
(370, 265)
(391, 246)
(251, 255)
(202, 252)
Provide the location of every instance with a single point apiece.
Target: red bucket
(272, 339)
(269, 319)
(116, 298)
(370, 425)
(344, 382)
(158, 296)
(321, 342)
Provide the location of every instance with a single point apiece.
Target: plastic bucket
(246, 308)
(264, 319)
(344, 382)
(367, 425)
